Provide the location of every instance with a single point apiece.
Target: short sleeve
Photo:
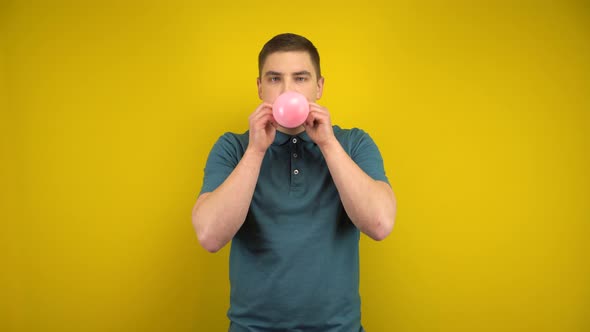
(366, 155)
(223, 159)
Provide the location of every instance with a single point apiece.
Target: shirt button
(296, 172)
(294, 155)
(294, 140)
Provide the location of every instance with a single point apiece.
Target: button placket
(295, 171)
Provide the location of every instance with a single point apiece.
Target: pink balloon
(290, 109)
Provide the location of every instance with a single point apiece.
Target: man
(293, 201)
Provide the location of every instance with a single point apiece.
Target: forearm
(217, 216)
(370, 204)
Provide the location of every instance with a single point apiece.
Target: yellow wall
(481, 112)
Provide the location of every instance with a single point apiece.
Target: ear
(258, 85)
(320, 88)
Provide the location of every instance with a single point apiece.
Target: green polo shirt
(294, 263)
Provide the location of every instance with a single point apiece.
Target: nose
(288, 85)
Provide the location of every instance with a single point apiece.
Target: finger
(319, 115)
(310, 120)
(263, 121)
(314, 106)
(274, 123)
(255, 117)
(264, 107)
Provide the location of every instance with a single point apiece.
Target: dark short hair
(289, 42)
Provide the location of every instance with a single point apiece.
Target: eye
(274, 79)
(301, 78)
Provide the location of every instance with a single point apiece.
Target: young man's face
(289, 71)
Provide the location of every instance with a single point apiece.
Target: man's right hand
(263, 128)
(218, 215)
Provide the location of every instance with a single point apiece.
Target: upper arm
(365, 153)
(222, 160)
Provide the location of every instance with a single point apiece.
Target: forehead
(288, 62)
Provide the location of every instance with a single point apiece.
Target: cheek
(310, 93)
(269, 95)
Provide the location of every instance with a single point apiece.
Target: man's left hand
(318, 125)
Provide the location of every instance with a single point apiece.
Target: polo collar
(282, 138)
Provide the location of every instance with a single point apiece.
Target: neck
(291, 131)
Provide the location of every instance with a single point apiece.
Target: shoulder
(231, 143)
(233, 139)
(352, 134)
(354, 140)
(351, 138)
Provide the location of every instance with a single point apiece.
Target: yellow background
(480, 109)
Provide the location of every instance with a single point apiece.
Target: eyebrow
(276, 73)
(302, 73)
(273, 73)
